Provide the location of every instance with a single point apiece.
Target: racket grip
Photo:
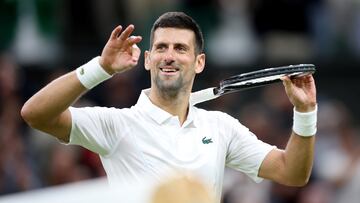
(202, 96)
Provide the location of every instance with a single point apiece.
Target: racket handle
(202, 96)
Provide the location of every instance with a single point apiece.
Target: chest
(178, 144)
(174, 147)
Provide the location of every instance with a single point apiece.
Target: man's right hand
(120, 52)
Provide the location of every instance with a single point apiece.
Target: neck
(175, 104)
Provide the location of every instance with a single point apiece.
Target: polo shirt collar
(159, 115)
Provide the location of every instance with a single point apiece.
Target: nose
(169, 57)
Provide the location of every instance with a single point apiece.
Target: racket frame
(229, 85)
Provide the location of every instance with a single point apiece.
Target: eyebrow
(175, 44)
(160, 44)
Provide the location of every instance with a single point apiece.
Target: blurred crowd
(43, 39)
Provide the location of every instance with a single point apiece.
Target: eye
(181, 48)
(160, 47)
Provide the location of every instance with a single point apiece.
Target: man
(163, 133)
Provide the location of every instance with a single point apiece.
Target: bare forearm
(298, 157)
(291, 166)
(47, 105)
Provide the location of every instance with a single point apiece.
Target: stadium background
(42, 39)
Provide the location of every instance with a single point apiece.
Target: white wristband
(305, 123)
(91, 73)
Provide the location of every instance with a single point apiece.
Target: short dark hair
(182, 21)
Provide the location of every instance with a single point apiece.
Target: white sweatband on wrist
(91, 73)
(305, 123)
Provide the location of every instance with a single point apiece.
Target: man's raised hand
(301, 92)
(120, 52)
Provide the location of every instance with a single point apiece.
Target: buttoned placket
(171, 127)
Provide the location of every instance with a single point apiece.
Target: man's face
(172, 61)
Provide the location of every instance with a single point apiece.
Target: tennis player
(162, 133)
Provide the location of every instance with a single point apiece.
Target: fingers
(133, 40)
(127, 32)
(115, 33)
(122, 37)
(308, 78)
(285, 78)
(297, 80)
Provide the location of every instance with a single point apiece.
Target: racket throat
(218, 91)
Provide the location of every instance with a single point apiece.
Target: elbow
(304, 177)
(29, 116)
(298, 181)
(301, 182)
(304, 181)
(26, 115)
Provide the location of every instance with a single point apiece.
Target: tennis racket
(251, 80)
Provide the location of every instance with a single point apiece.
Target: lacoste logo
(206, 141)
(82, 71)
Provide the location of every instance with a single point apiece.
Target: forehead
(173, 36)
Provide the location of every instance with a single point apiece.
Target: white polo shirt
(146, 141)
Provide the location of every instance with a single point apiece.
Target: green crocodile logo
(206, 141)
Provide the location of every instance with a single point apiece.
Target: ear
(200, 63)
(147, 60)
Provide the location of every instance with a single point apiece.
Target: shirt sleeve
(94, 128)
(245, 151)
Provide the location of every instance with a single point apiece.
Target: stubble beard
(169, 88)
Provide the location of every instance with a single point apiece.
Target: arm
(48, 109)
(293, 165)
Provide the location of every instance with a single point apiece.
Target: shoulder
(221, 119)
(226, 126)
(208, 114)
(99, 111)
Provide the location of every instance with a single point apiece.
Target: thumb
(135, 53)
(286, 80)
(287, 83)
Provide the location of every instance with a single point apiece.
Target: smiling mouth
(169, 69)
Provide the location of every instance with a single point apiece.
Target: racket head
(262, 77)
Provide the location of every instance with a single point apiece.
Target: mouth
(169, 70)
